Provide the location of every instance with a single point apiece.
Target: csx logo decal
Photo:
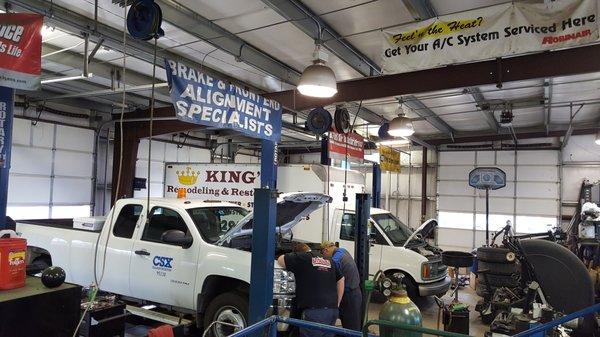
(162, 261)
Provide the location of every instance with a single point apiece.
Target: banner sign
(501, 30)
(21, 50)
(220, 182)
(202, 99)
(389, 159)
(353, 143)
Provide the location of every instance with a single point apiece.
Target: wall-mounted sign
(506, 29)
(200, 98)
(352, 144)
(389, 159)
(21, 50)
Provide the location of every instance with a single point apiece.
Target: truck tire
(495, 254)
(38, 265)
(230, 307)
(498, 268)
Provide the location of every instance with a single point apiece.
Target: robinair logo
(16, 258)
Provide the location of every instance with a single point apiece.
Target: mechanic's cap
(327, 244)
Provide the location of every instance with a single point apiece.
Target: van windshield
(214, 222)
(395, 230)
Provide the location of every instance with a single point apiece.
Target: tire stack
(503, 269)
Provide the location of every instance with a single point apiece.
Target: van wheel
(38, 265)
(231, 309)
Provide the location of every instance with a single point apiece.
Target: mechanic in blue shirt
(350, 307)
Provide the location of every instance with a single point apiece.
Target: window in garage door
(529, 200)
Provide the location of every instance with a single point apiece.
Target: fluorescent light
(597, 141)
(401, 127)
(318, 80)
(394, 142)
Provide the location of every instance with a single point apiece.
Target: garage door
(51, 171)
(529, 200)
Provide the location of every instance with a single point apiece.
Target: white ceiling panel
(443, 7)
(370, 15)
(528, 117)
(424, 128)
(514, 90)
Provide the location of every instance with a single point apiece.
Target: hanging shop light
(318, 80)
(401, 126)
(597, 141)
(394, 142)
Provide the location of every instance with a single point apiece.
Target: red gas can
(12, 263)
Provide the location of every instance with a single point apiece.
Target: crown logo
(187, 177)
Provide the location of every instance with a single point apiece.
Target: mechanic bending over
(350, 307)
(319, 287)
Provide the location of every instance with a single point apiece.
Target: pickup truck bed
(55, 223)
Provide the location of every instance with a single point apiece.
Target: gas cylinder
(400, 309)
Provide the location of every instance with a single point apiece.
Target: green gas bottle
(400, 309)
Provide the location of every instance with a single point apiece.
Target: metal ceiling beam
(547, 100)
(532, 66)
(484, 106)
(420, 9)
(204, 29)
(423, 111)
(310, 23)
(70, 21)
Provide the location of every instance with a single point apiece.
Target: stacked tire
(502, 268)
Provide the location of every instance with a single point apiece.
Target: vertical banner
(351, 144)
(506, 29)
(389, 159)
(202, 99)
(21, 50)
(6, 120)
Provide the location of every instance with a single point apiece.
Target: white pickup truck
(183, 258)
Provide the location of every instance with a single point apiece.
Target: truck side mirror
(176, 237)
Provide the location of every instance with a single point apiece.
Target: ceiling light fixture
(318, 80)
(401, 126)
(597, 141)
(394, 142)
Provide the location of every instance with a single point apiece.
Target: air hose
(369, 287)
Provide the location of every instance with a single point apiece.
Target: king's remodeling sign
(202, 99)
(502, 30)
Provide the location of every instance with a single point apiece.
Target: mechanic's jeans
(350, 309)
(324, 316)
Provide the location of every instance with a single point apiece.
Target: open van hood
(291, 209)
(425, 229)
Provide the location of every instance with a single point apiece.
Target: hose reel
(144, 19)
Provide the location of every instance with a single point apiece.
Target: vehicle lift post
(376, 185)
(7, 98)
(263, 237)
(362, 242)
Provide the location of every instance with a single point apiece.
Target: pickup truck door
(346, 234)
(162, 272)
(120, 244)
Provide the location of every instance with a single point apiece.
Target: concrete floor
(429, 311)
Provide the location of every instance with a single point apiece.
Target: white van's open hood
(425, 229)
(291, 209)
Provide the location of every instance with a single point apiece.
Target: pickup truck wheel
(230, 308)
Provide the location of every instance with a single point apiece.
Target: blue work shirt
(345, 263)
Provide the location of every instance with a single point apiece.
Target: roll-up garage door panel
(509, 170)
(401, 210)
(454, 172)
(580, 148)
(43, 135)
(537, 207)
(505, 157)
(70, 138)
(156, 191)
(537, 190)
(199, 155)
(21, 131)
(170, 152)
(157, 170)
(537, 158)
(486, 158)
(183, 154)
(76, 164)
(537, 173)
(457, 158)
(415, 214)
(158, 150)
(403, 183)
(497, 205)
(72, 191)
(29, 160)
(451, 238)
(452, 188)
(507, 191)
(572, 179)
(29, 190)
(455, 204)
